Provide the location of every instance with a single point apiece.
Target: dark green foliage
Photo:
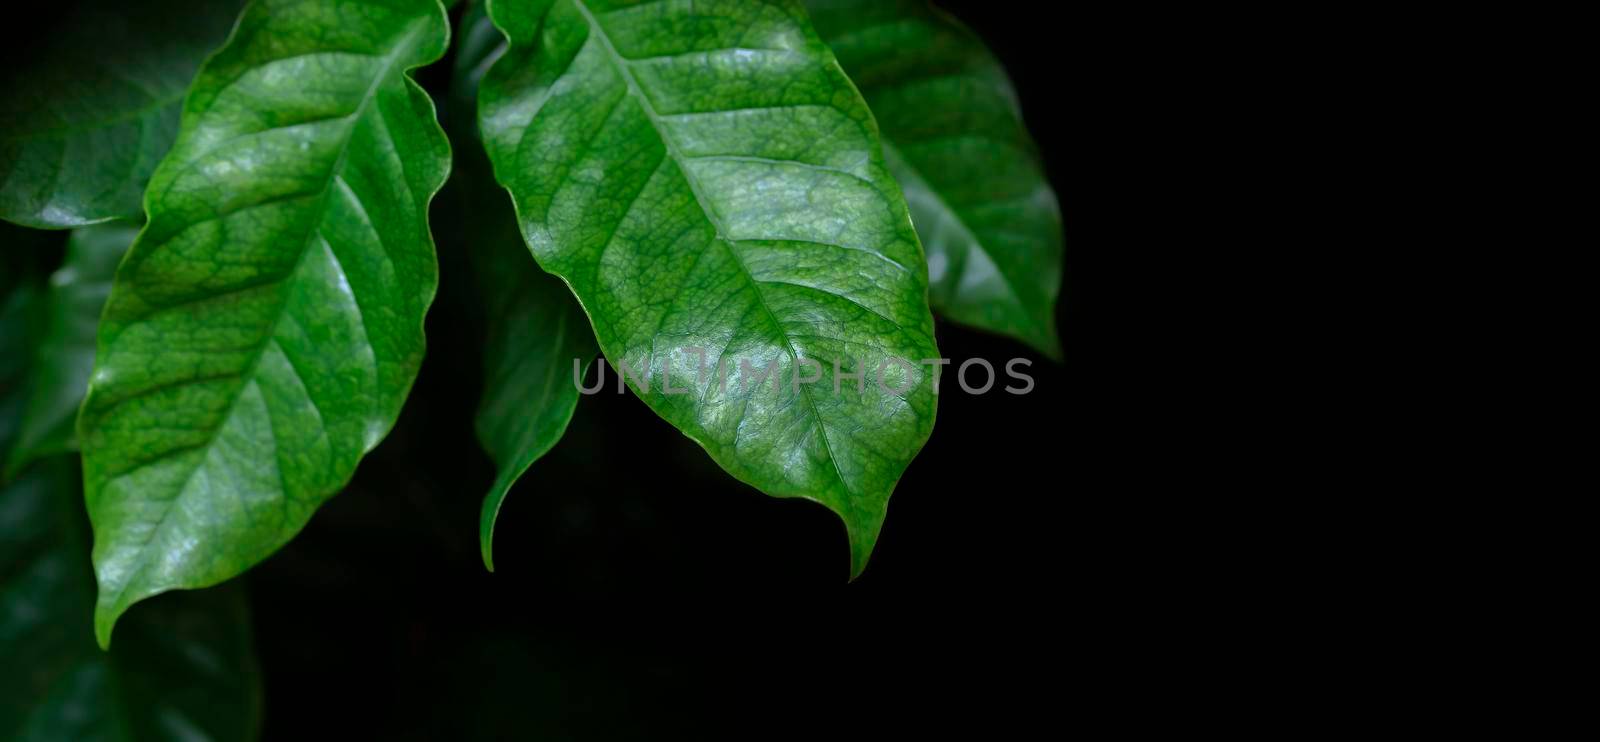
(751, 208)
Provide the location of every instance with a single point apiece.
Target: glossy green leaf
(85, 119)
(266, 327)
(64, 355)
(182, 670)
(710, 185)
(536, 331)
(954, 138)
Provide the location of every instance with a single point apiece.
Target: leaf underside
(536, 335)
(266, 327)
(710, 185)
(536, 331)
(85, 119)
(955, 140)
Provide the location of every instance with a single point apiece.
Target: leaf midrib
(621, 63)
(407, 43)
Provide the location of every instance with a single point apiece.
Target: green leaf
(955, 140)
(184, 670)
(84, 120)
(536, 332)
(710, 185)
(266, 327)
(538, 344)
(64, 356)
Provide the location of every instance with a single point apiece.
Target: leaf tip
(488, 552)
(105, 619)
(491, 513)
(1045, 339)
(863, 537)
(1052, 350)
(113, 602)
(858, 564)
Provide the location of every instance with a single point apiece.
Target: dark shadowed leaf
(266, 327)
(183, 668)
(710, 185)
(954, 138)
(63, 356)
(22, 313)
(85, 118)
(538, 343)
